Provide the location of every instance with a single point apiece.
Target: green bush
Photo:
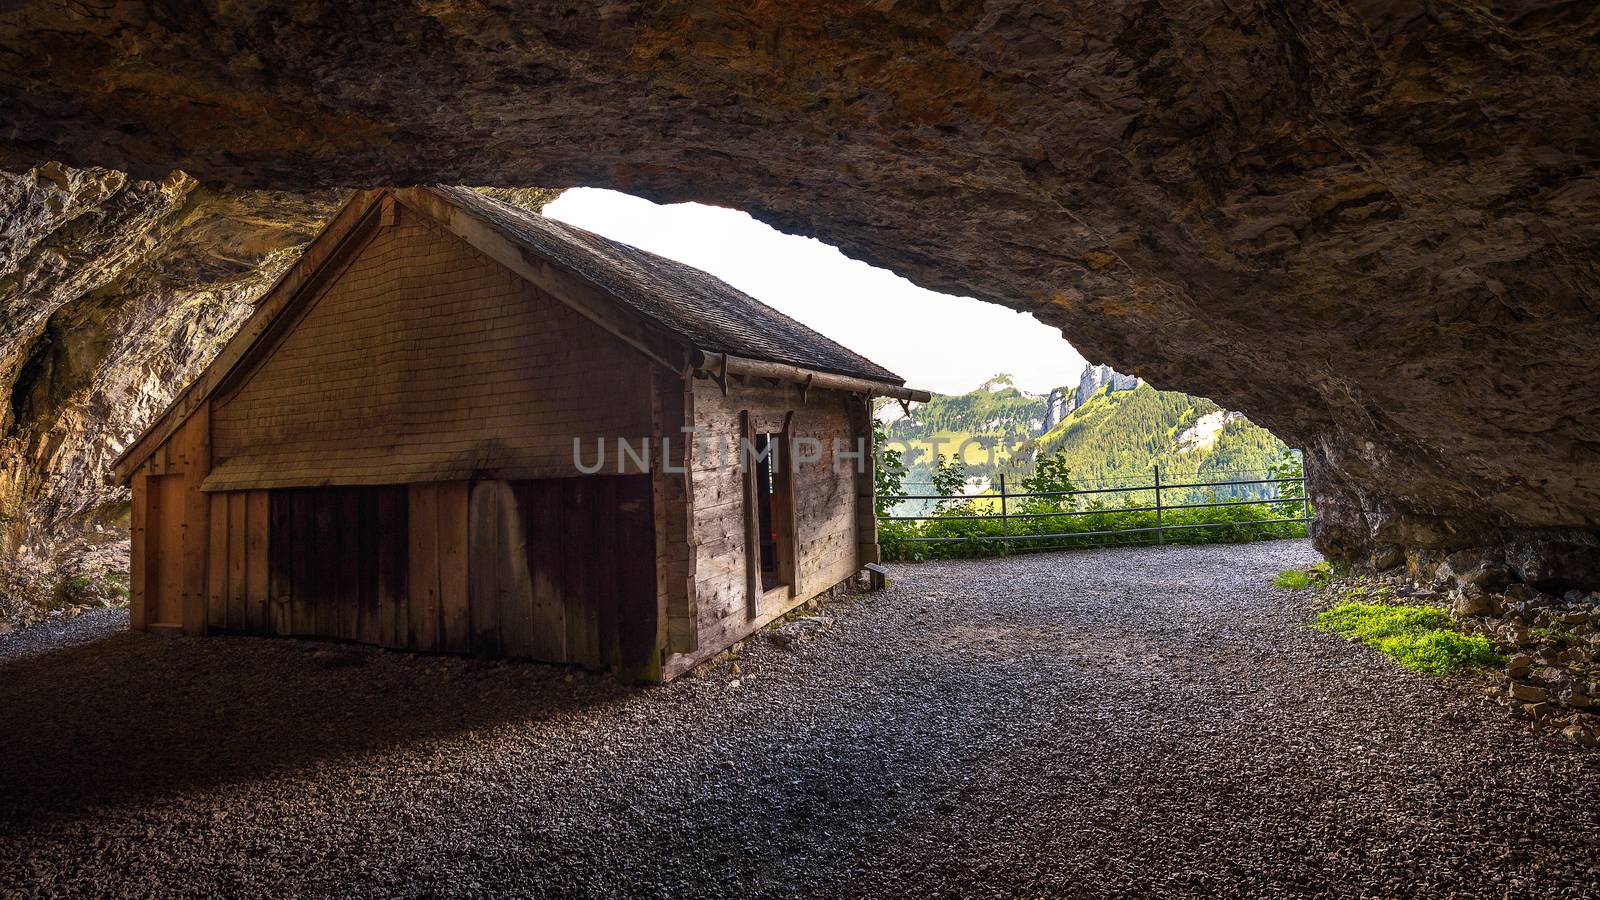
(1441, 651)
(969, 527)
(1057, 530)
(1421, 638)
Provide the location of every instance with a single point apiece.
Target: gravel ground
(1153, 722)
(53, 634)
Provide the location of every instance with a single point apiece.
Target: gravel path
(1153, 722)
(53, 634)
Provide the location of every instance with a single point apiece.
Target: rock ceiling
(1373, 227)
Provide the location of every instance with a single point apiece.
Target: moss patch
(1553, 634)
(1300, 579)
(1421, 638)
(1292, 580)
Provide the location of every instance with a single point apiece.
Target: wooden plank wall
(171, 532)
(238, 575)
(560, 570)
(564, 570)
(426, 362)
(672, 402)
(825, 513)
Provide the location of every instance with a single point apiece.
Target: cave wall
(1373, 227)
(114, 292)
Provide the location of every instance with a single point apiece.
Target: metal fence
(1006, 499)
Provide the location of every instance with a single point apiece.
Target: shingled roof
(705, 311)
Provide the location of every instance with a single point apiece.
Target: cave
(1373, 228)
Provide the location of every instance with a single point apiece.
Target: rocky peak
(1096, 377)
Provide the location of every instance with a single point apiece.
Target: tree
(949, 479)
(888, 472)
(1288, 464)
(1050, 474)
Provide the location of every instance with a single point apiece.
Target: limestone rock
(799, 630)
(1578, 734)
(114, 293)
(1388, 556)
(1527, 693)
(1471, 602)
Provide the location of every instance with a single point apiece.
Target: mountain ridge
(1108, 428)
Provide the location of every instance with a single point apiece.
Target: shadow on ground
(136, 716)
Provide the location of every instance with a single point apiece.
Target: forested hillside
(1125, 434)
(1114, 436)
(983, 425)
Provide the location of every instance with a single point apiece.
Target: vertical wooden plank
(303, 590)
(257, 584)
(673, 499)
(196, 519)
(638, 603)
(603, 561)
(858, 413)
(394, 538)
(344, 548)
(235, 531)
(217, 565)
(483, 567)
(423, 568)
(138, 565)
(540, 505)
(369, 618)
(455, 625)
(576, 545)
(752, 518)
(280, 561)
(324, 553)
(168, 590)
(514, 580)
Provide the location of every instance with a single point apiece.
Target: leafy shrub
(1421, 638)
(969, 527)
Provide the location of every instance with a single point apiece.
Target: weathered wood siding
(564, 570)
(422, 362)
(825, 514)
(170, 524)
(675, 539)
(560, 570)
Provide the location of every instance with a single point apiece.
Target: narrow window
(768, 449)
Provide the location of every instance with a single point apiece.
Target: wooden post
(1161, 534)
(1005, 523)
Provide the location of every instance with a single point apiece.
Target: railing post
(1161, 533)
(1305, 494)
(1005, 523)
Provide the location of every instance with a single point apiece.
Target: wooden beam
(720, 365)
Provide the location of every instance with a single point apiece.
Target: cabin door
(164, 532)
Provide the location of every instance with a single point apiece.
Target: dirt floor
(1154, 722)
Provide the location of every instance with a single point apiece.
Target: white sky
(945, 344)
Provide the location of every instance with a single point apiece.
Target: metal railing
(1005, 498)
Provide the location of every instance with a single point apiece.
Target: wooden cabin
(399, 448)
